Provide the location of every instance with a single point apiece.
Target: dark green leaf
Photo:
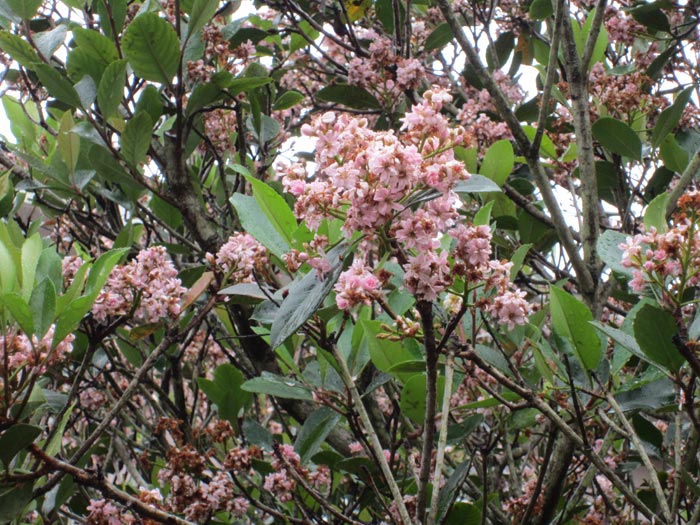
(570, 319)
(450, 489)
(541, 9)
(111, 89)
(353, 97)
(15, 439)
(618, 137)
(278, 386)
(152, 48)
(136, 138)
(649, 396)
(275, 208)
(463, 513)
(413, 401)
(670, 116)
(655, 330)
(226, 393)
(305, 296)
(651, 16)
(241, 84)
(314, 432)
(439, 37)
(57, 85)
(13, 502)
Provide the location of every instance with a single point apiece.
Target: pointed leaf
(618, 137)
(111, 89)
(136, 138)
(570, 320)
(57, 85)
(152, 48)
(15, 439)
(476, 184)
(655, 330)
(314, 432)
(278, 386)
(670, 116)
(353, 97)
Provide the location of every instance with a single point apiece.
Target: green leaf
(627, 342)
(8, 270)
(314, 432)
(439, 37)
(14, 501)
(304, 298)
(278, 386)
(463, 513)
(57, 85)
(413, 401)
(241, 84)
(498, 162)
(225, 392)
(24, 9)
(651, 16)
(674, 156)
(16, 438)
(385, 354)
(19, 49)
(651, 395)
(483, 216)
(68, 143)
(202, 12)
(353, 97)
(99, 273)
(19, 309)
(275, 208)
(517, 259)
(136, 138)
(655, 330)
(570, 320)
(449, 490)
(476, 184)
(152, 48)
(255, 222)
(670, 117)
(541, 9)
(43, 306)
(618, 137)
(111, 89)
(31, 252)
(287, 100)
(655, 214)
(49, 41)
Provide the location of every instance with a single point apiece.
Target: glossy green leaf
(136, 138)
(655, 330)
(111, 89)
(314, 432)
(674, 156)
(306, 294)
(255, 222)
(439, 37)
(498, 162)
(278, 386)
(669, 117)
(152, 48)
(13, 501)
(570, 319)
(618, 137)
(275, 208)
(353, 97)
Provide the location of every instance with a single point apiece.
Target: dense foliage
(373, 261)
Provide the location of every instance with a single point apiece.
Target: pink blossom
(356, 285)
(510, 308)
(240, 256)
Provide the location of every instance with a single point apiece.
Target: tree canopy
(410, 262)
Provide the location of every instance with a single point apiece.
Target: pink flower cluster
(239, 257)
(18, 351)
(104, 512)
(356, 285)
(147, 289)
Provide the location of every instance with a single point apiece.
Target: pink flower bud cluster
(357, 285)
(239, 257)
(104, 512)
(148, 286)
